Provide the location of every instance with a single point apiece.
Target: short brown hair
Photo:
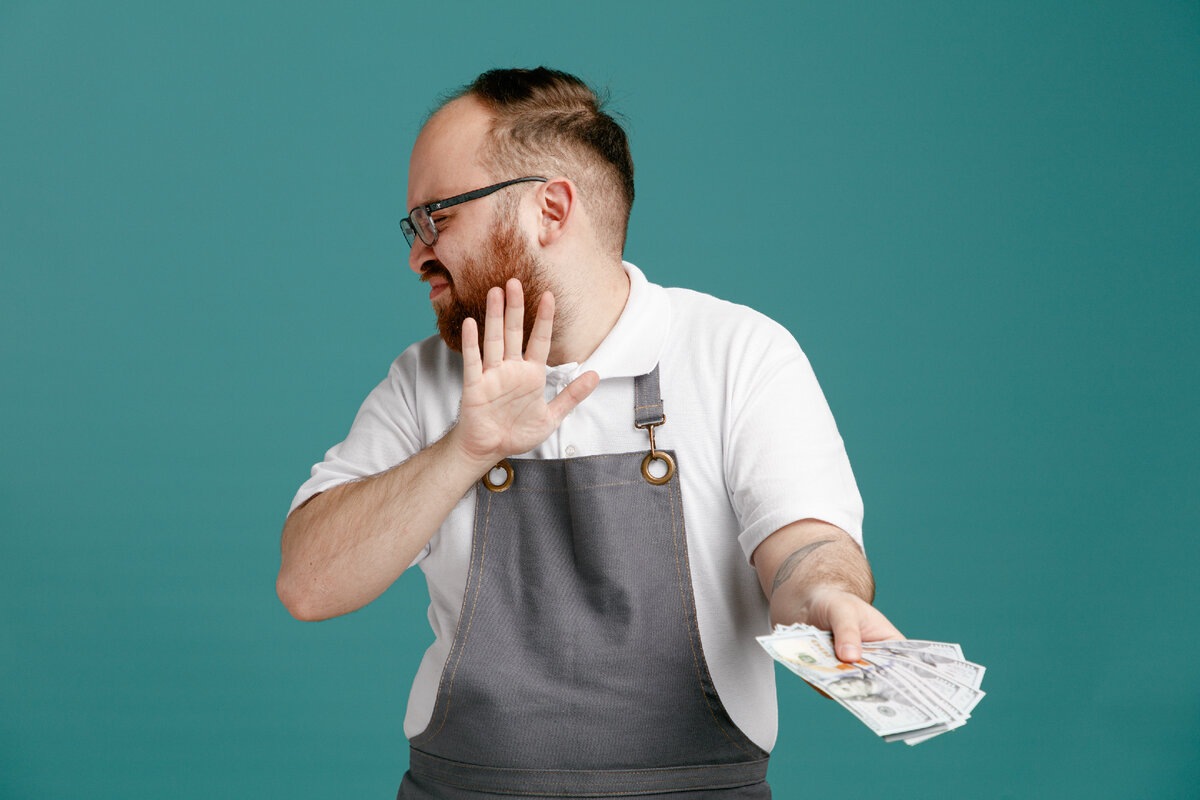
(549, 120)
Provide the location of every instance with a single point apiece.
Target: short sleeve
(384, 433)
(784, 458)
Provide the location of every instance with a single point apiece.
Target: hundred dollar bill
(904, 690)
(943, 659)
(941, 649)
(961, 697)
(932, 698)
(879, 701)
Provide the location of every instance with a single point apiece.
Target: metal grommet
(508, 477)
(658, 455)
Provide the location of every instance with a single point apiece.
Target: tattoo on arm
(791, 562)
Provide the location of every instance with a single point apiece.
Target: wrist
(477, 459)
(819, 593)
(808, 603)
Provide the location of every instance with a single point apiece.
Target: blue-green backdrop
(980, 221)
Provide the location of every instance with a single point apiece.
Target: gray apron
(576, 668)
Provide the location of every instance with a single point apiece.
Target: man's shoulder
(426, 359)
(425, 370)
(703, 317)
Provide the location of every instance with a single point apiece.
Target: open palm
(504, 410)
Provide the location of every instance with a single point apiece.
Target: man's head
(512, 124)
(546, 122)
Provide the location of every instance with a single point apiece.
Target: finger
(472, 364)
(543, 326)
(493, 328)
(575, 393)
(514, 319)
(847, 637)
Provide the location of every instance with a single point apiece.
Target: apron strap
(647, 400)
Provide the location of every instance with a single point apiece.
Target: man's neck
(588, 310)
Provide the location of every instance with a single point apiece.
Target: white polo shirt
(756, 444)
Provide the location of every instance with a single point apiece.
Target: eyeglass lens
(419, 223)
(423, 224)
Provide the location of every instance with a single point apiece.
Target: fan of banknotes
(905, 690)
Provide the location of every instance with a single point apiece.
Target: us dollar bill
(903, 690)
(939, 657)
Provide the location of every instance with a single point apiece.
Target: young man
(611, 487)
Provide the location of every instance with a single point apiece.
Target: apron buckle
(656, 455)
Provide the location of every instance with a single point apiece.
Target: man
(611, 487)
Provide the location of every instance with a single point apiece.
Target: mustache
(434, 269)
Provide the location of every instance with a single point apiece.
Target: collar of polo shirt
(635, 343)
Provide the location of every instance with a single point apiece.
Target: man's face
(505, 255)
(480, 243)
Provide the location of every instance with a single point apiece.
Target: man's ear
(557, 205)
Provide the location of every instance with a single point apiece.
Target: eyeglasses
(420, 223)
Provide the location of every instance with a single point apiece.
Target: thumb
(847, 635)
(576, 392)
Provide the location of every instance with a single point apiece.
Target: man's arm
(347, 545)
(814, 572)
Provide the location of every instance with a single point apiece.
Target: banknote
(941, 657)
(903, 690)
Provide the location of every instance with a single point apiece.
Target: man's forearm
(347, 545)
(799, 560)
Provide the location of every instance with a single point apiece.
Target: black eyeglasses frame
(411, 226)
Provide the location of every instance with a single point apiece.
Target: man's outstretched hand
(813, 572)
(504, 409)
(851, 619)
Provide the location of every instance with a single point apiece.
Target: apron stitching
(546, 788)
(579, 458)
(467, 633)
(574, 488)
(694, 626)
(637, 771)
(597, 793)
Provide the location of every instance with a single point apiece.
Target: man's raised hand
(504, 410)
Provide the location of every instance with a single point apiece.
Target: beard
(506, 256)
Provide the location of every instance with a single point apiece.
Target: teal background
(979, 220)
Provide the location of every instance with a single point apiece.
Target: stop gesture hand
(504, 410)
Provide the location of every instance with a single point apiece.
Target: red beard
(506, 256)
